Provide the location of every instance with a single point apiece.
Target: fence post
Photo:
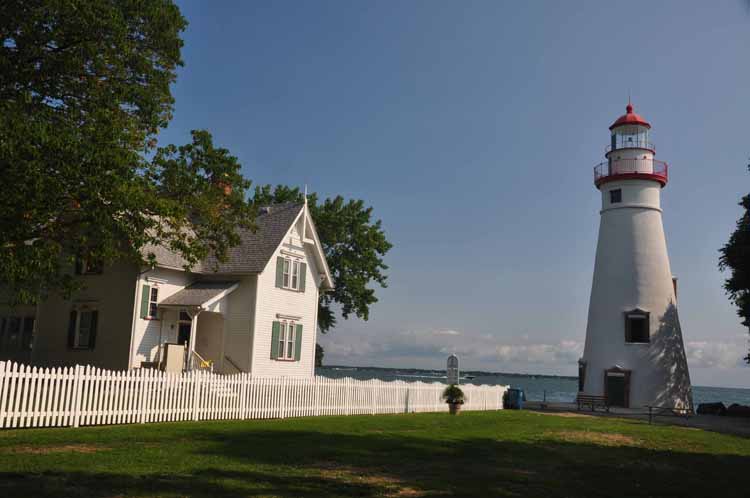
(348, 395)
(142, 396)
(196, 390)
(317, 396)
(243, 393)
(3, 389)
(282, 397)
(77, 380)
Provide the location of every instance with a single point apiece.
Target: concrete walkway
(737, 426)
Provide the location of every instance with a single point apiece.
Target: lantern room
(630, 154)
(630, 131)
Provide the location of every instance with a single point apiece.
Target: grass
(505, 453)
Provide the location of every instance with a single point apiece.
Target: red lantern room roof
(630, 118)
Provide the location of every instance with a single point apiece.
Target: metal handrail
(616, 167)
(197, 362)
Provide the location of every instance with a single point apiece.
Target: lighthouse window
(615, 196)
(637, 327)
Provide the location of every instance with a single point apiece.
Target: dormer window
(295, 275)
(287, 271)
(637, 329)
(290, 273)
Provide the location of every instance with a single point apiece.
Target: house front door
(183, 334)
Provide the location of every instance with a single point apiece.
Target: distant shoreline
(475, 373)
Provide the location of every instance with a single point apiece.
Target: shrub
(453, 394)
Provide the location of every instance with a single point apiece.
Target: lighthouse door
(617, 387)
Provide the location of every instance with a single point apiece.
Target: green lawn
(475, 454)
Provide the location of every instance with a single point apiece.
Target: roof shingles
(252, 253)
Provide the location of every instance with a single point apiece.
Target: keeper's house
(256, 312)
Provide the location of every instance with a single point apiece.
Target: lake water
(556, 389)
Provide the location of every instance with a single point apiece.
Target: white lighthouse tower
(634, 353)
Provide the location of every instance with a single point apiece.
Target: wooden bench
(668, 411)
(592, 401)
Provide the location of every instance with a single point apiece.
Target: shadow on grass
(251, 462)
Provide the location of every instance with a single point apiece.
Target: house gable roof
(255, 249)
(252, 253)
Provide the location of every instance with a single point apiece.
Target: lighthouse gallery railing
(616, 167)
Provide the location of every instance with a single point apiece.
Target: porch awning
(200, 294)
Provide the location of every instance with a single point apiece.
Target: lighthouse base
(642, 374)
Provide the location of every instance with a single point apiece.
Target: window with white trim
(295, 274)
(286, 280)
(287, 333)
(82, 328)
(637, 327)
(152, 299)
(16, 333)
(291, 273)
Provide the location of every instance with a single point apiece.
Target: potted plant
(454, 396)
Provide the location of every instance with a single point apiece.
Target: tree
(84, 88)
(319, 354)
(735, 257)
(354, 246)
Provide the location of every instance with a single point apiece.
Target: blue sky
(473, 128)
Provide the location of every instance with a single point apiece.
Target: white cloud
(715, 354)
(446, 332)
(562, 353)
(429, 347)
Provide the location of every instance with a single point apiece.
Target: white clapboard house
(255, 312)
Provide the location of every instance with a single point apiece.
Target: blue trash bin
(514, 399)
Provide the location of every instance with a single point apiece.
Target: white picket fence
(76, 396)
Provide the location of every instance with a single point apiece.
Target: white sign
(452, 370)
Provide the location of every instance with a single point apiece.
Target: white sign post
(452, 370)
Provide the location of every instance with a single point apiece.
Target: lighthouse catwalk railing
(616, 167)
(76, 396)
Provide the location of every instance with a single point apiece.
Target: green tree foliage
(735, 257)
(84, 88)
(354, 246)
(319, 354)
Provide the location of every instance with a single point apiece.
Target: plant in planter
(454, 396)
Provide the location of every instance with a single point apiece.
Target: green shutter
(298, 342)
(92, 334)
(145, 293)
(279, 272)
(302, 276)
(275, 329)
(72, 329)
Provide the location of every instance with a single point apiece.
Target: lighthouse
(634, 353)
